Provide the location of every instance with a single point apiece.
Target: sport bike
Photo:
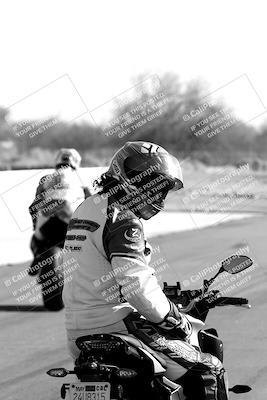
(118, 367)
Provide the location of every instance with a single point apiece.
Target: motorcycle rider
(56, 198)
(106, 240)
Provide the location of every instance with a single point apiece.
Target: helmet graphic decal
(149, 148)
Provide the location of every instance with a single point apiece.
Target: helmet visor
(164, 164)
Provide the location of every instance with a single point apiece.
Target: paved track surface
(31, 342)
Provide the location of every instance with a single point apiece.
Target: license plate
(90, 391)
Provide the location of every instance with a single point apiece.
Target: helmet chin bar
(147, 207)
(148, 211)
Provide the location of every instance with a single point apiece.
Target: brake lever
(187, 308)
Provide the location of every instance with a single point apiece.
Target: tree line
(173, 115)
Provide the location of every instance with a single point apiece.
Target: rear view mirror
(232, 265)
(240, 389)
(235, 264)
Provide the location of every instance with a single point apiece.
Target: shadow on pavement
(22, 308)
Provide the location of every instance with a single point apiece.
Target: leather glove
(175, 323)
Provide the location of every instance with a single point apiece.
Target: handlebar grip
(231, 301)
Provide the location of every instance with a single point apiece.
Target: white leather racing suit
(106, 264)
(107, 248)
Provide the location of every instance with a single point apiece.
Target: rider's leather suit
(108, 263)
(57, 195)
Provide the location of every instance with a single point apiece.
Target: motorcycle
(117, 367)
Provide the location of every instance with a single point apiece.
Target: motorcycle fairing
(181, 352)
(197, 325)
(210, 343)
(158, 368)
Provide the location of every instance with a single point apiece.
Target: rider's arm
(125, 246)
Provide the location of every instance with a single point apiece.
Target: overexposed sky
(98, 47)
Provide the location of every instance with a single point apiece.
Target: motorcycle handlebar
(188, 299)
(230, 301)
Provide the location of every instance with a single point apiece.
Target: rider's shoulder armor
(123, 235)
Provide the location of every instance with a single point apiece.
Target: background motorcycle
(119, 367)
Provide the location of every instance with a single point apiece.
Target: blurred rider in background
(57, 196)
(113, 278)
